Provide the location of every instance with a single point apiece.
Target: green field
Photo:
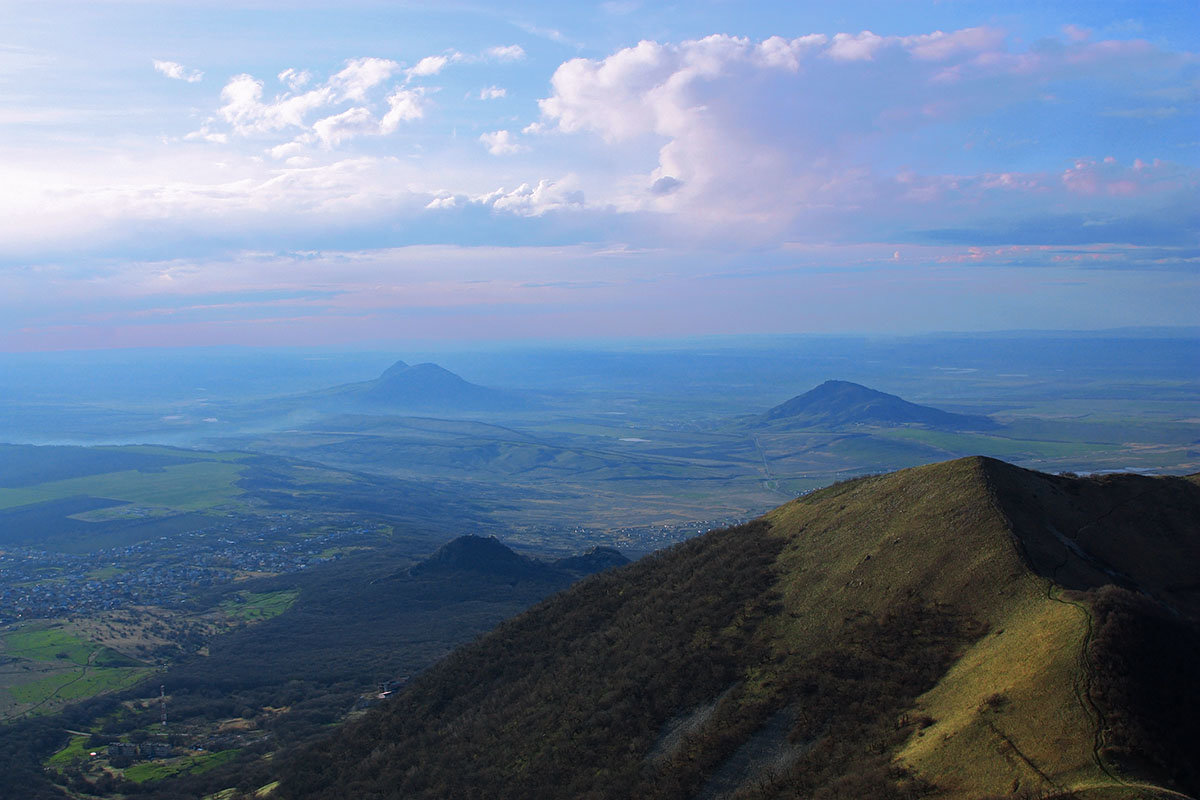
(48, 645)
(56, 644)
(76, 750)
(70, 668)
(155, 450)
(258, 606)
(46, 693)
(186, 487)
(995, 446)
(187, 765)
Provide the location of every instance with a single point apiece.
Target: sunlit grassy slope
(928, 633)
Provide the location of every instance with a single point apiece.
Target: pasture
(192, 486)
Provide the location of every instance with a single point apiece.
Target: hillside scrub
(567, 699)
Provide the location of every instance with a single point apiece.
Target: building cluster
(388, 688)
(39, 584)
(140, 750)
(653, 537)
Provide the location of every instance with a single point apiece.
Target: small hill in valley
(597, 559)
(968, 629)
(839, 404)
(487, 555)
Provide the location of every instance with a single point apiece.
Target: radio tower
(162, 699)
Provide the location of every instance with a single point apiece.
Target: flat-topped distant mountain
(968, 629)
(420, 387)
(838, 404)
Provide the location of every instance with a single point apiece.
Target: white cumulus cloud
(501, 143)
(352, 122)
(855, 47)
(295, 78)
(320, 113)
(511, 52)
(178, 71)
(726, 128)
(404, 105)
(361, 75)
(534, 201)
(245, 110)
(429, 65)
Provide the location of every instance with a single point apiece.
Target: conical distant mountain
(840, 404)
(484, 555)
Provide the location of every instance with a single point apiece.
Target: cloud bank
(812, 134)
(737, 164)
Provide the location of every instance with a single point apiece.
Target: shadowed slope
(1133, 531)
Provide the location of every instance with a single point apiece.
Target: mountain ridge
(891, 636)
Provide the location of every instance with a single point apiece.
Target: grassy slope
(935, 532)
(911, 622)
(258, 606)
(1012, 711)
(50, 667)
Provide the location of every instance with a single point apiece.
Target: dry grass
(935, 534)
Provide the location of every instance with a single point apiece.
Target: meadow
(183, 487)
(45, 667)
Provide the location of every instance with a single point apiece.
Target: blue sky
(306, 173)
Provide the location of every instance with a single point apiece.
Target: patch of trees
(851, 701)
(22, 747)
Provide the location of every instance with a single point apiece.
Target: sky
(302, 173)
